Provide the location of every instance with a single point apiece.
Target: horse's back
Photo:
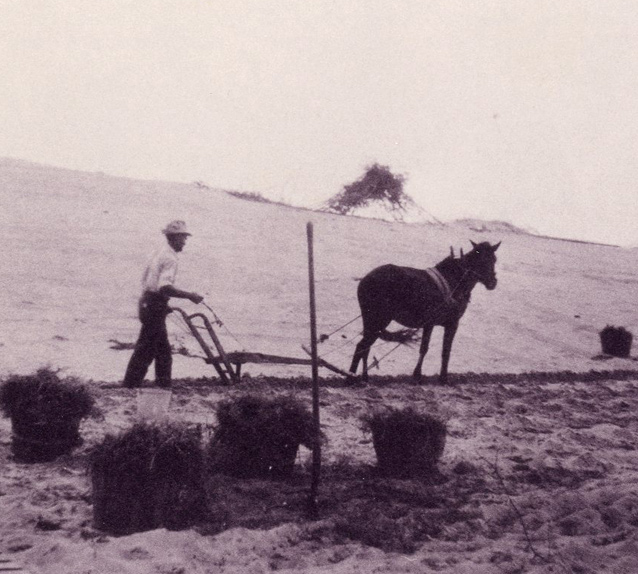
(389, 278)
(403, 293)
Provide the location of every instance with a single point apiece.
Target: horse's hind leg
(425, 345)
(362, 351)
(356, 358)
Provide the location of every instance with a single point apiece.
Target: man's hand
(196, 298)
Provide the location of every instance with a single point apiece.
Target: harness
(443, 285)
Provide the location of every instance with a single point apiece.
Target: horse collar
(442, 284)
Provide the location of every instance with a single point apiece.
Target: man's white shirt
(161, 269)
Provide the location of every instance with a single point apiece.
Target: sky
(516, 110)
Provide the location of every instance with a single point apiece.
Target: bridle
(469, 271)
(449, 294)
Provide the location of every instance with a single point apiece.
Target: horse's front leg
(448, 337)
(425, 345)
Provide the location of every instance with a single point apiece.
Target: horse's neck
(460, 281)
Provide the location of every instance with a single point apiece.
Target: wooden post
(316, 447)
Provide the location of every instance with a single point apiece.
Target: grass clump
(259, 436)
(407, 443)
(45, 396)
(151, 476)
(45, 413)
(616, 341)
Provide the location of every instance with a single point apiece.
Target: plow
(228, 365)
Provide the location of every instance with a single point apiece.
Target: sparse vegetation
(149, 477)
(250, 196)
(377, 185)
(246, 195)
(403, 527)
(259, 436)
(45, 413)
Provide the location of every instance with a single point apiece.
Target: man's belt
(153, 298)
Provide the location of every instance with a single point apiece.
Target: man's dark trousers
(152, 343)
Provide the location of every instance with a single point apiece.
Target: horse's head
(481, 261)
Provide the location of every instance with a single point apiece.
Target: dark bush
(45, 413)
(259, 436)
(378, 184)
(616, 341)
(151, 476)
(407, 443)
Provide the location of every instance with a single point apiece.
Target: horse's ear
(461, 253)
(495, 247)
(475, 245)
(451, 252)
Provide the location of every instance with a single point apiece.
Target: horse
(421, 299)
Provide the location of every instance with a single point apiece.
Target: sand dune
(76, 243)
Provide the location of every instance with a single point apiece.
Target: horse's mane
(453, 264)
(449, 265)
(454, 269)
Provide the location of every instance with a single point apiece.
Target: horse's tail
(402, 336)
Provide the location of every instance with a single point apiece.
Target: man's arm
(170, 291)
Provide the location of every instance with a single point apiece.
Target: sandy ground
(539, 472)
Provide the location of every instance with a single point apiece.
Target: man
(157, 288)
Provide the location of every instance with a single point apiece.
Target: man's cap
(176, 227)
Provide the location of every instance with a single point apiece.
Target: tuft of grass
(45, 397)
(151, 476)
(406, 442)
(616, 341)
(259, 436)
(45, 413)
